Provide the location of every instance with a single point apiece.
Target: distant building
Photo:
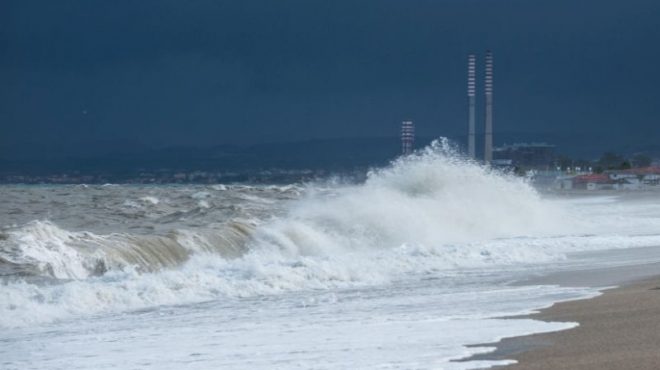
(631, 179)
(637, 176)
(595, 181)
(529, 155)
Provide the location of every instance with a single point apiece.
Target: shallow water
(403, 271)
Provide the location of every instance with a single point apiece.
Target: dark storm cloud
(208, 72)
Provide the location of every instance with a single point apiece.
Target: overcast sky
(206, 72)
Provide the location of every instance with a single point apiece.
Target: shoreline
(618, 329)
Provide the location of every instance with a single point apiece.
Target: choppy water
(403, 271)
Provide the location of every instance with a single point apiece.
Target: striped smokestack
(471, 89)
(488, 89)
(407, 137)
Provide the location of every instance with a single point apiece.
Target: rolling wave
(43, 248)
(429, 213)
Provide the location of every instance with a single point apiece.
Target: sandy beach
(618, 330)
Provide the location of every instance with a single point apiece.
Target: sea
(419, 266)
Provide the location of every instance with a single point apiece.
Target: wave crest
(43, 248)
(431, 198)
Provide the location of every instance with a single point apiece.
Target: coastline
(618, 329)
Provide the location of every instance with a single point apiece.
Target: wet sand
(618, 330)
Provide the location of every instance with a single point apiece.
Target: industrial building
(526, 155)
(521, 155)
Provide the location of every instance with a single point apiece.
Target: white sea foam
(430, 199)
(46, 246)
(63, 254)
(150, 200)
(402, 271)
(201, 195)
(209, 276)
(430, 213)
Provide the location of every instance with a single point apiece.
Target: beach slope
(618, 330)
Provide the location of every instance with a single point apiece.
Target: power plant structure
(471, 90)
(488, 89)
(408, 128)
(488, 92)
(407, 137)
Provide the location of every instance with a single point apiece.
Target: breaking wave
(426, 213)
(43, 248)
(430, 199)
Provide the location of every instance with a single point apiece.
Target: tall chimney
(407, 137)
(471, 89)
(488, 88)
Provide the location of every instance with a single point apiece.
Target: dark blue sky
(209, 72)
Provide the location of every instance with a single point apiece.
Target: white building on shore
(630, 179)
